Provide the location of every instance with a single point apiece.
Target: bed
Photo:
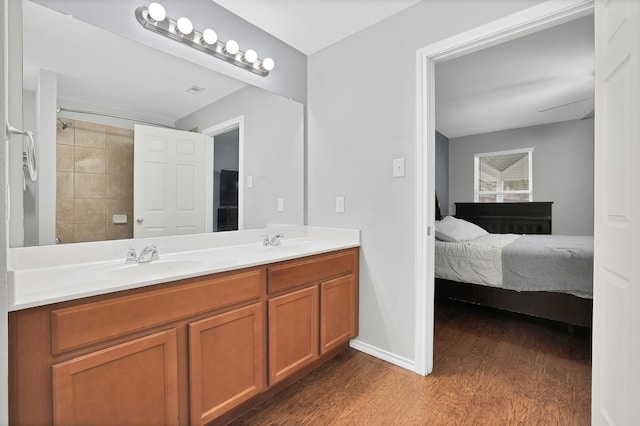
(502, 255)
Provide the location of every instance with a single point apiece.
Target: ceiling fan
(590, 114)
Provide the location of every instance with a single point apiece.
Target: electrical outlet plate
(339, 204)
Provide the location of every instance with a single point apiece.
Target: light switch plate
(249, 181)
(280, 203)
(339, 204)
(398, 167)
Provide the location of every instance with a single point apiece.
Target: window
(502, 177)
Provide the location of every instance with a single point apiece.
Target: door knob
(140, 220)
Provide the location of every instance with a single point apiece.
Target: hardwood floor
(489, 369)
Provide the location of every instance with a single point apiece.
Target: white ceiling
(503, 87)
(545, 77)
(312, 25)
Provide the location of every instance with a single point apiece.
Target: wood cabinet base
(197, 351)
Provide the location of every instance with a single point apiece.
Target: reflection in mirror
(69, 63)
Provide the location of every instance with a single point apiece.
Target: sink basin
(162, 266)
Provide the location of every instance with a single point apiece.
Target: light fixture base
(169, 28)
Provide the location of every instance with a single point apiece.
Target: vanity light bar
(206, 41)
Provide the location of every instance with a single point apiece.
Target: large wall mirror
(112, 93)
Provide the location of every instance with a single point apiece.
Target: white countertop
(43, 275)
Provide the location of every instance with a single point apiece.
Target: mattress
(520, 262)
(549, 263)
(478, 261)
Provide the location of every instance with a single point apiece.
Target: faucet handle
(271, 241)
(132, 257)
(276, 239)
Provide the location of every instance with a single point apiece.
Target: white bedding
(478, 261)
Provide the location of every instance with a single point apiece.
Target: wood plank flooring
(489, 369)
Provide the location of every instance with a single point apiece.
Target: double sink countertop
(43, 275)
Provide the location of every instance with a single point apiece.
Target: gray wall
(442, 172)
(273, 152)
(562, 168)
(361, 115)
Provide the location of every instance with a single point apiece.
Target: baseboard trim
(383, 355)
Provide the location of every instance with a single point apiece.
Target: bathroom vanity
(195, 350)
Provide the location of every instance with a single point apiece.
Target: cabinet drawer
(296, 274)
(88, 323)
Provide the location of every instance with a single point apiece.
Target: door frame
(533, 19)
(212, 132)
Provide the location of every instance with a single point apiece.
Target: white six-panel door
(616, 325)
(169, 182)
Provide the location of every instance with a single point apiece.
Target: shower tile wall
(94, 182)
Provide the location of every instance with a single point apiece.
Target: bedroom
(546, 81)
(553, 70)
(542, 79)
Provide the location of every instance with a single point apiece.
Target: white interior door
(169, 183)
(616, 338)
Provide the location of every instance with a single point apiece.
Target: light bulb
(157, 12)
(209, 36)
(250, 56)
(184, 26)
(268, 64)
(232, 47)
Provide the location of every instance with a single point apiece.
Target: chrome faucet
(148, 254)
(271, 241)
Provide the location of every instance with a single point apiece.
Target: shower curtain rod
(122, 117)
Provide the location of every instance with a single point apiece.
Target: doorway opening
(226, 180)
(525, 22)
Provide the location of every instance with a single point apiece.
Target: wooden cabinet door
(226, 361)
(337, 312)
(133, 383)
(293, 332)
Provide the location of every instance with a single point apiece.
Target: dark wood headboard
(508, 218)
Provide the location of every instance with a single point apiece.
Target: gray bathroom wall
(273, 152)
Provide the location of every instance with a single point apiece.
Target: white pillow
(455, 230)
